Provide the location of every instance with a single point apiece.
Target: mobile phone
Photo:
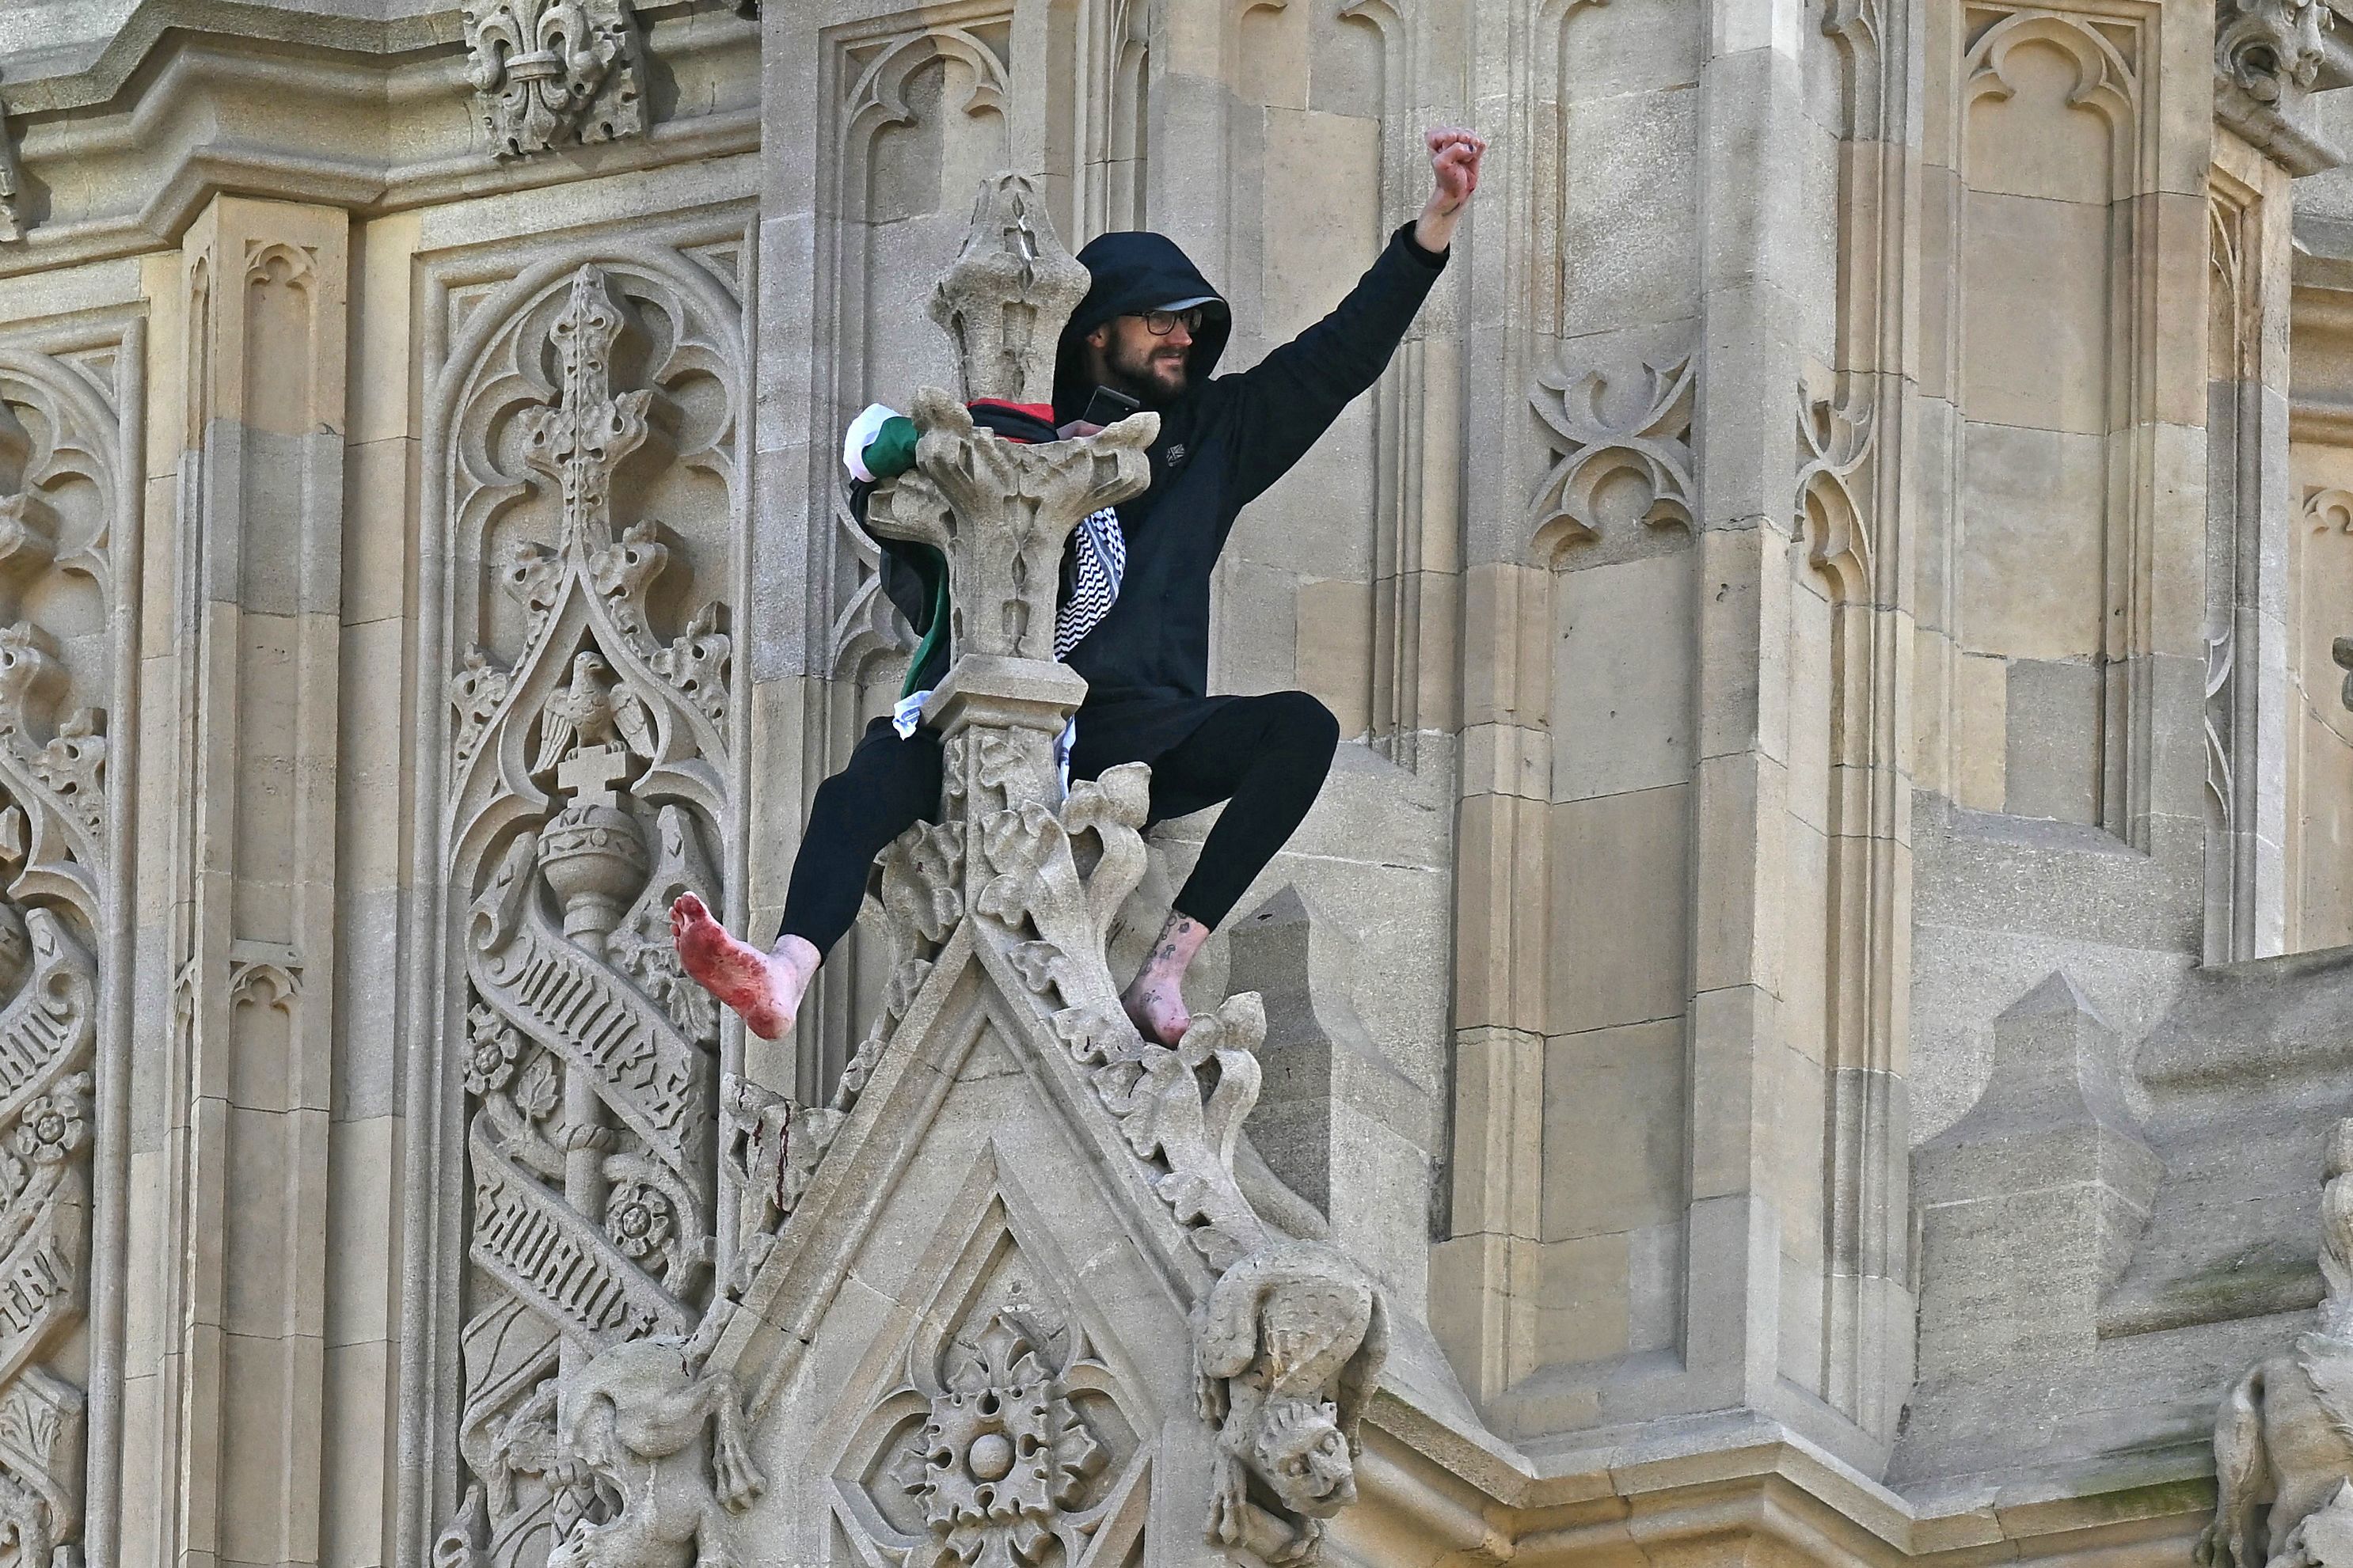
(1107, 407)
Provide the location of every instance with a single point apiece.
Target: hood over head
(1131, 272)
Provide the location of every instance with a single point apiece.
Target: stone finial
(1012, 288)
(1001, 511)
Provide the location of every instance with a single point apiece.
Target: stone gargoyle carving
(2267, 46)
(1287, 1350)
(2284, 1440)
(662, 1437)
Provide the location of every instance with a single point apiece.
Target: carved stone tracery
(1627, 432)
(590, 785)
(59, 496)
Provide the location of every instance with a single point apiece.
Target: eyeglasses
(1160, 323)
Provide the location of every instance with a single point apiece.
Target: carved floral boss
(1002, 1456)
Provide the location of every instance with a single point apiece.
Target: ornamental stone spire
(1000, 511)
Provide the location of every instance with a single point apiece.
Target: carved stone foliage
(2268, 46)
(1293, 1334)
(59, 494)
(1622, 446)
(551, 72)
(2284, 1438)
(591, 785)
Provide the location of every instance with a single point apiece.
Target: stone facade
(1813, 1021)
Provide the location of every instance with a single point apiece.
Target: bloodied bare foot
(1154, 1000)
(764, 987)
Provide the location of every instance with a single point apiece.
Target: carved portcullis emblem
(1004, 1465)
(589, 789)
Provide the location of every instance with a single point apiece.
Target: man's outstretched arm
(1291, 398)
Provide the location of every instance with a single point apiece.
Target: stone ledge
(1741, 1473)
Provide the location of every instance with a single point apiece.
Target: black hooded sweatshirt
(1222, 442)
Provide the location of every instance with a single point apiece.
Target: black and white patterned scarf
(1102, 551)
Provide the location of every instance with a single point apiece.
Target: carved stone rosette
(589, 790)
(551, 72)
(1003, 1465)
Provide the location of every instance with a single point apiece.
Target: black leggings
(1266, 755)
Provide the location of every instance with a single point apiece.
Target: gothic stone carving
(547, 72)
(58, 495)
(47, 1033)
(663, 1437)
(1010, 282)
(2269, 46)
(1003, 1466)
(2283, 1440)
(1835, 435)
(590, 786)
(1648, 444)
(1290, 1344)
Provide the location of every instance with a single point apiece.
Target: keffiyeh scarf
(1102, 563)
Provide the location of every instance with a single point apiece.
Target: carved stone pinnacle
(1001, 511)
(1004, 301)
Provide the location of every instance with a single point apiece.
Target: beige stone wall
(1857, 530)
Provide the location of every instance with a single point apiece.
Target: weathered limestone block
(2031, 1204)
(1339, 1123)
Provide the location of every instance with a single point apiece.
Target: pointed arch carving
(879, 96)
(2104, 81)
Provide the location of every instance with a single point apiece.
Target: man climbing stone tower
(1132, 612)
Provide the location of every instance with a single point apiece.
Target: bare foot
(1156, 1008)
(1154, 1000)
(764, 987)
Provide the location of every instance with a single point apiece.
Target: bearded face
(1302, 1454)
(1152, 370)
